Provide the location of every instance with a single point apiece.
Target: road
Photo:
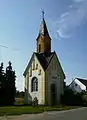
(76, 114)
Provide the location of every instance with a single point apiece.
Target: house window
(39, 47)
(34, 84)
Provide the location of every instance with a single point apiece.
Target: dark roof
(84, 81)
(44, 58)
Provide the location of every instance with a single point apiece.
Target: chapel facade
(44, 76)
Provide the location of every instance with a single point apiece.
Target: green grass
(18, 110)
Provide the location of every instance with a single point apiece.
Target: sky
(67, 25)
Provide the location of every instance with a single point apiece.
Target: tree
(10, 88)
(2, 80)
(19, 94)
(7, 85)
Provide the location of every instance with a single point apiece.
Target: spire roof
(43, 28)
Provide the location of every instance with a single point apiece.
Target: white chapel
(44, 76)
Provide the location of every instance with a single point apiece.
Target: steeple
(43, 39)
(43, 27)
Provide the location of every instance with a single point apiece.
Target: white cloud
(78, 0)
(70, 20)
(64, 14)
(61, 33)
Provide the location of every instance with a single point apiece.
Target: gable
(55, 65)
(77, 86)
(44, 60)
(59, 65)
(27, 68)
(83, 81)
(30, 63)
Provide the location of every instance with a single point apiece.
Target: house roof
(44, 59)
(84, 81)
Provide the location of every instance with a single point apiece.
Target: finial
(43, 14)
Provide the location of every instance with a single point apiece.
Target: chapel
(44, 76)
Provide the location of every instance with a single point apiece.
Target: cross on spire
(43, 13)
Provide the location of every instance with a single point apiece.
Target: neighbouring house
(44, 76)
(78, 85)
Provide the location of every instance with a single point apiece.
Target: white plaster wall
(38, 93)
(53, 75)
(77, 88)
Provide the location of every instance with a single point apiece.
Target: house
(44, 76)
(78, 85)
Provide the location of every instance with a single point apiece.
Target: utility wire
(4, 46)
(14, 49)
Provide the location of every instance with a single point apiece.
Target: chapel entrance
(53, 94)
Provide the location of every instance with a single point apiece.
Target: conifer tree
(10, 85)
(7, 85)
(2, 80)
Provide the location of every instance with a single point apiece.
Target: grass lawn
(18, 110)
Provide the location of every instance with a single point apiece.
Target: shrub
(35, 102)
(71, 98)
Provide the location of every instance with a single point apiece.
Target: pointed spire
(43, 39)
(43, 27)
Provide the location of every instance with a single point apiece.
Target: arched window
(34, 84)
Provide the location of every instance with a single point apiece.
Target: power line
(4, 46)
(14, 49)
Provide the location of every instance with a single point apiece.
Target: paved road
(78, 114)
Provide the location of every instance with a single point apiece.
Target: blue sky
(67, 24)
